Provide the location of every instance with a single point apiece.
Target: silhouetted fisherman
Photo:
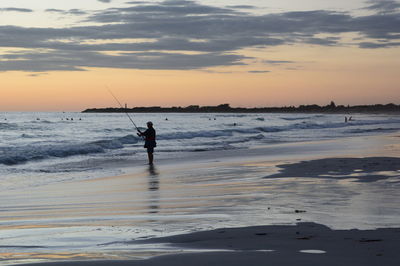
(150, 140)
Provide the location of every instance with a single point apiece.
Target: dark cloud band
(79, 60)
(179, 34)
(14, 9)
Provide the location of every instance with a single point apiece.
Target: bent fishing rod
(123, 108)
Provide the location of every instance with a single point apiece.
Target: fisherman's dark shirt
(150, 138)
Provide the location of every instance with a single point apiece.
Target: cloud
(167, 9)
(242, 7)
(384, 6)
(36, 74)
(179, 34)
(258, 71)
(330, 41)
(374, 45)
(79, 60)
(55, 10)
(15, 9)
(74, 11)
(136, 2)
(198, 21)
(278, 62)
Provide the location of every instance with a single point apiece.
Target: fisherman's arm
(140, 133)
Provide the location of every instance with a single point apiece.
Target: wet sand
(302, 244)
(122, 220)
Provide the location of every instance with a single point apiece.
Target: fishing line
(123, 108)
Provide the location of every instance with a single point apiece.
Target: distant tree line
(226, 108)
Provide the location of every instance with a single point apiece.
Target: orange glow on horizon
(317, 75)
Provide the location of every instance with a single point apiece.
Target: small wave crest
(8, 126)
(295, 118)
(371, 130)
(112, 130)
(39, 121)
(27, 136)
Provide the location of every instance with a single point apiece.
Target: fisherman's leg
(150, 155)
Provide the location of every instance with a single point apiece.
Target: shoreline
(288, 151)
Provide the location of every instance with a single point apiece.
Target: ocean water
(40, 148)
(44, 217)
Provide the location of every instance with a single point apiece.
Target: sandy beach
(302, 244)
(329, 202)
(274, 128)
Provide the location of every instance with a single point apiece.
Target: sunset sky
(58, 55)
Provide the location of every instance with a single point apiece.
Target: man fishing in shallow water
(150, 140)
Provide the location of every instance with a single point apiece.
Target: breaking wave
(269, 129)
(17, 155)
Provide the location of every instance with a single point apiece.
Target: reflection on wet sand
(153, 188)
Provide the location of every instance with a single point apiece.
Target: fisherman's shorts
(150, 145)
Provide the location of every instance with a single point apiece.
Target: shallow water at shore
(41, 148)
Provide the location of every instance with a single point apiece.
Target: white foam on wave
(16, 155)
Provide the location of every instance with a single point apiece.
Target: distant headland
(226, 108)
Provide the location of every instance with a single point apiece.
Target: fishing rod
(123, 108)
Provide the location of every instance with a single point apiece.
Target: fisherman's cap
(150, 123)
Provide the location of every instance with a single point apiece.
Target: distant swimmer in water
(166, 119)
(150, 140)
